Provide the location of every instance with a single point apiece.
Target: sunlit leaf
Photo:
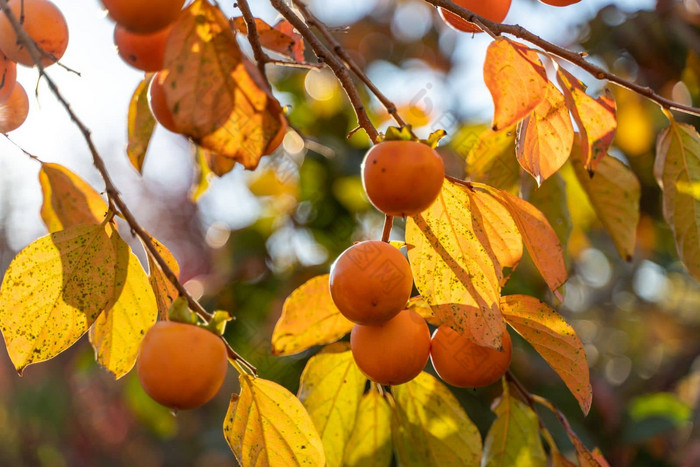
(309, 317)
(554, 340)
(330, 388)
(370, 442)
(551, 199)
(215, 94)
(68, 199)
(490, 156)
(420, 306)
(163, 288)
(430, 427)
(267, 426)
(546, 136)
(595, 118)
(514, 437)
(452, 269)
(53, 291)
(204, 174)
(140, 125)
(118, 331)
(614, 193)
(516, 79)
(540, 239)
(280, 38)
(677, 165)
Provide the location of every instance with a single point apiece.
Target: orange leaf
(164, 290)
(68, 199)
(219, 165)
(457, 275)
(309, 317)
(140, 125)
(595, 118)
(546, 136)
(215, 94)
(540, 238)
(516, 79)
(279, 38)
(554, 340)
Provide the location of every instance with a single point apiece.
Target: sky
(101, 93)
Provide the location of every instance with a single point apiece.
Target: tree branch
(111, 190)
(261, 58)
(334, 63)
(563, 53)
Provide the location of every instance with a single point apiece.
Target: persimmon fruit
(494, 10)
(402, 178)
(462, 363)
(393, 352)
(14, 111)
(44, 23)
(144, 16)
(145, 52)
(370, 282)
(559, 2)
(181, 366)
(8, 77)
(158, 102)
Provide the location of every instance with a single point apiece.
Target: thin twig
(112, 192)
(388, 223)
(563, 53)
(290, 64)
(340, 51)
(261, 58)
(334, 63)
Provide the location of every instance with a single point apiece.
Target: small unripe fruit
(370, 282)
(393, 352)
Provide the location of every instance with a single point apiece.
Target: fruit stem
(388, 224)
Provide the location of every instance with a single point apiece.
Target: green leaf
(267, 426)
(677, 170)
(53, 291)
(514, 437)
(330, 388)
(370, 442)
(117, 333)
(140, 125)
(430, 427)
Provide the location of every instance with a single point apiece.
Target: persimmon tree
(366, 399)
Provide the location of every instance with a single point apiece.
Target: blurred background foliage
(254, 237)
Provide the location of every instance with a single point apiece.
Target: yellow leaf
(546, 136)
(678, 165)
(118, 331)
(453, 270)
(204, 174)
(554, 340)
(53, 291)
(551, 199)
(140, 124)
(215, 94)
(330, 388)
(430, 427)
(540, 239)
(164, 290)
(267, 426)
(68, 200)
(614, 193)
(490, 156)
(595, 118)
(370, 443)
(420, 306)
(514, 437)
(309, 317)
(516, 79)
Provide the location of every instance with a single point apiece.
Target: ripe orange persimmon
(393, 352)
(462, 363)
(495, 10)
(402, 178)
(143, 16)
(8, 77)
(370, 282)
(143, 51)
(14, 111)
(559, 2)
(44, 23)
(158, 103)
(180, 365)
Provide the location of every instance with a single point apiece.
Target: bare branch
(260, 56)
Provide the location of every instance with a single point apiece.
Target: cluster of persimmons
(371, 283)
